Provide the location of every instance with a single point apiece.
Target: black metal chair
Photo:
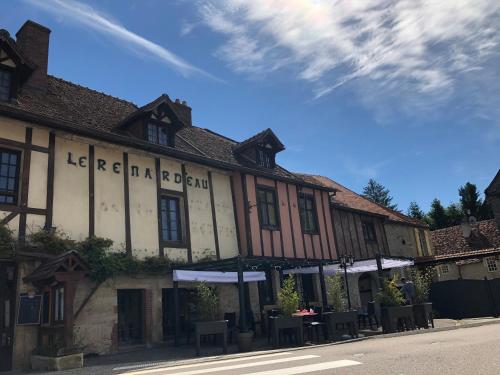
(231, 324)
(369, 315)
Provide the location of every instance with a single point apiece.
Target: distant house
(470, 250)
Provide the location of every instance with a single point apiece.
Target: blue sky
(406, 92)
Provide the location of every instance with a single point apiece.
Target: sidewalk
(166, 356)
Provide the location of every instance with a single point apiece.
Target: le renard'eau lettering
(135, 171)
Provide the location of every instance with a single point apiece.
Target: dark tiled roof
(259, 137)
(451, 240)
(91, 110)
(347, 198)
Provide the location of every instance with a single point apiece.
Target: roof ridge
(95, 91)
(459, 226)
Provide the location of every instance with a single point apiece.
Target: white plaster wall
(401, 240)
(174, 169)
(37, 191)
(224, 212)
(12, 129)
(143, 207)
(40, 137)
(200, 214)
(71, 189)
(109, 197)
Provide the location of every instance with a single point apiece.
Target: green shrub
(53, 242)
(207, 302)
(6, 241)
(390, 295)
(335, 291)
(422, 281)
(288, 297)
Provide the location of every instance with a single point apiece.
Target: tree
(378, 193)
(454, 214)
(469, 199)
(414, 211)
(485, 211)
(437, 215)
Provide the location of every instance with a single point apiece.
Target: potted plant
(288, 301)
(391, 300)
(56, 357)
(422, 308)
(339, 313)
(208, 312)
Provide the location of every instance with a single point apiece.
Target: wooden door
(365, 289)
(7, 313)
(130, 316)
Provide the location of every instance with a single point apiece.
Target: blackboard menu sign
(29, 309)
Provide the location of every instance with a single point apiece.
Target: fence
(458, 299)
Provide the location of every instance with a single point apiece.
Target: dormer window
(158, 134)
(5, 84)
(265, 158)
(260, 150)
(157, 122)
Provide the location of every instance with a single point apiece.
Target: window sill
(311, 232)
(271, 228)
(174, 244)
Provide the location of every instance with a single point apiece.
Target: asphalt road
(474, 350)
(463, 351)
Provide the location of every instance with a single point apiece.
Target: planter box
(281, 323)
(349, 318)
(65, 362)
(423, 315)
(218, 327)
(392, 316)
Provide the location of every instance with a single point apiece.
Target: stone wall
(96, 326)
(401, 240)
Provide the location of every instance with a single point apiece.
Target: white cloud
(414, 50)
(89, 17)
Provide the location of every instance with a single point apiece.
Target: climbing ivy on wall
(97, 252)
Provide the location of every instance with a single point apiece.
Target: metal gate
(459, 299)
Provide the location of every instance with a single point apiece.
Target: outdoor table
(279, 324)
(349, 318)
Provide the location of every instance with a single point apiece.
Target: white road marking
(208, 363)
(225, 368)
(308, 368)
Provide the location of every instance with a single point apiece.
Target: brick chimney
(32, 39)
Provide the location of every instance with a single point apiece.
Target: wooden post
(324, 296)
(176, 313)
(380, 273)
(70, 281)
(241, 294)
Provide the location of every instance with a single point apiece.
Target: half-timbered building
(91, 165)
(366, 230)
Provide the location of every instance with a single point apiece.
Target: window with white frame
(444, 268)
(491, 264)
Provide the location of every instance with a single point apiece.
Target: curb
(168, 364)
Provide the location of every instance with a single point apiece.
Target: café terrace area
(276, 328)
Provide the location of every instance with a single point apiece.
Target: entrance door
(7, 313)
(187, 309)
(130, 316)
(365, 289)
